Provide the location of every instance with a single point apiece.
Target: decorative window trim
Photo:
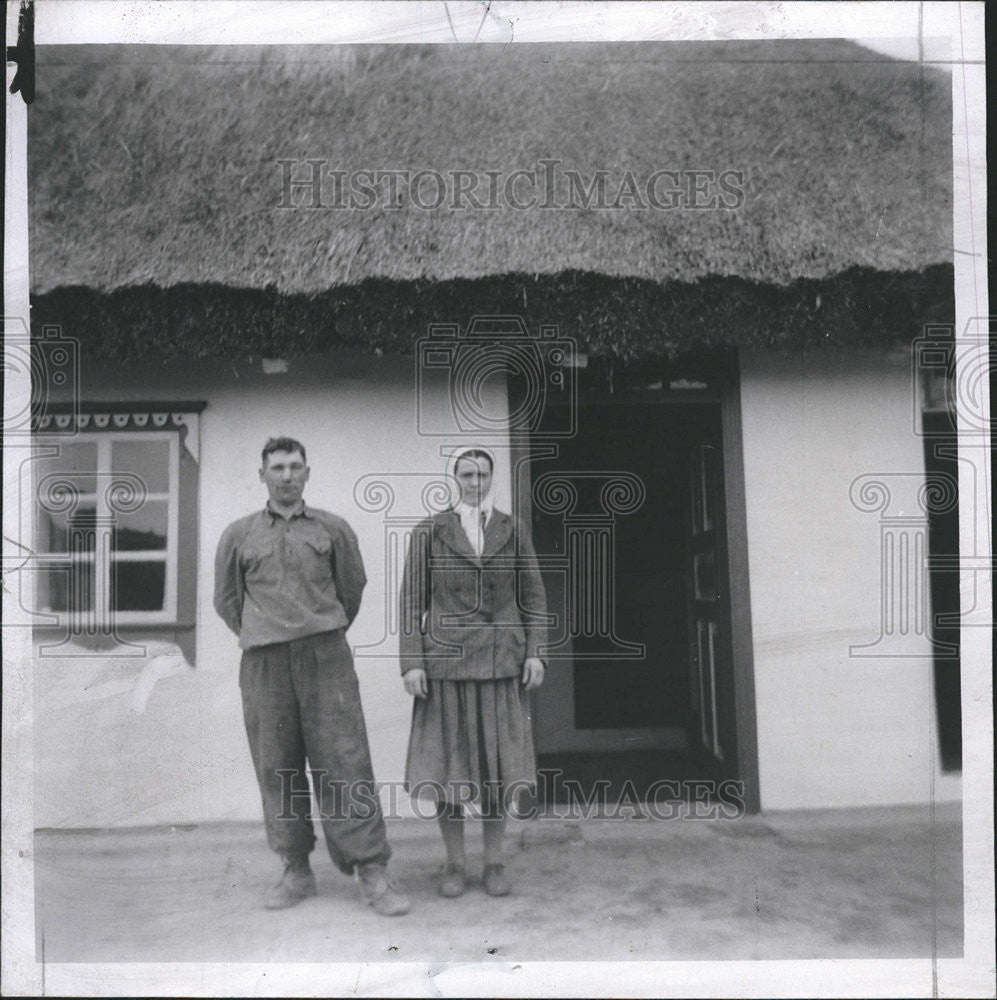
(104, 425)
(70, 419)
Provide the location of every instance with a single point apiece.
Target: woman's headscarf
(469, 451)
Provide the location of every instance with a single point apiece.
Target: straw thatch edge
(625, 319)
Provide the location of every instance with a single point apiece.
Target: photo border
(282, 23)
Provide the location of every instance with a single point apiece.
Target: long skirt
(471, 741)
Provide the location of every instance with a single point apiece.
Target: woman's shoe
(452, 882)
(496, 884)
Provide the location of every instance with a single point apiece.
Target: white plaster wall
(351, 429)
(102, 759)
(833, 729)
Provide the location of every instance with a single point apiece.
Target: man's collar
(302, 511)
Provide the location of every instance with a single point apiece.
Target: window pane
(149, 460)
(60, 532)
(66, 586)
(76, 463)
(142, 529)
(139, 586)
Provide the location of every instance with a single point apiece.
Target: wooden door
(713, 717)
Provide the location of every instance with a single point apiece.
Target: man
(288, 581)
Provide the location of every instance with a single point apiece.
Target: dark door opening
(653, 701)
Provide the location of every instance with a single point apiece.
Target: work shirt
(278, 579)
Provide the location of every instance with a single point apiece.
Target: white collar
(466, 511)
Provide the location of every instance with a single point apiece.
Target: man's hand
(416, 683)
(533, 673)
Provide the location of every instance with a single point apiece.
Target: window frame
(102, 613)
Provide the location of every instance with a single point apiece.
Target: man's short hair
(283, 444)
(474, 453)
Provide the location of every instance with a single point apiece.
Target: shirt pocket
(317, 557)
(256, 553)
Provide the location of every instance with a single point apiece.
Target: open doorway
(641, 691)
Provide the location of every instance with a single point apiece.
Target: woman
(472, 623)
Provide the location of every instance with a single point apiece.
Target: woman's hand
(533, 673)
(416, 683)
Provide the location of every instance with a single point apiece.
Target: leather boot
(296, 883)
(379, 893)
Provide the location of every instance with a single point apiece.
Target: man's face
(285, 475)
(474, 477)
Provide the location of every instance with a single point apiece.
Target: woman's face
(474, 477)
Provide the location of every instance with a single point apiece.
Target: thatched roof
(158, 167)
(626, 318)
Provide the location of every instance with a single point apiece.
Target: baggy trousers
(301, 700)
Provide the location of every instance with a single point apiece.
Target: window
(107, 526)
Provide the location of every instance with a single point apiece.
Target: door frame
(726, 390)
(739, 583)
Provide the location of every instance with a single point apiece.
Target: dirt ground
(883, 883)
